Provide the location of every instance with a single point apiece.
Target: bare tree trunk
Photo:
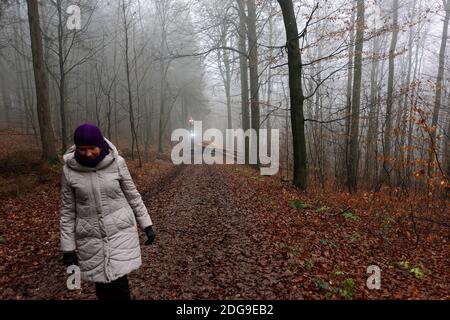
(62, 77)
(356, 99)
(371, 141)
(447, 147)
(296, 94)
(163, 73)
(6, 98)
(225, 71)
(138, 96)
(49, 153)
(253, 67)
(130, 99)
(25, 86)
(162, 105)
(386, 172)
(414, 98)
(116, 129)
(404, 112)
(243, 66)
(148, 127)
(437, 99)
(348, 107)
(269, 87)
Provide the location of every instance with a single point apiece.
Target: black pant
(114, 290)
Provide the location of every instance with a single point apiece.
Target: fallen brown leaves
(224, 232)
(30, 260)
(338, 235)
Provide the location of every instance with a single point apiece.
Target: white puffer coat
(99, 210)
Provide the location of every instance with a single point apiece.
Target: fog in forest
(374, 103)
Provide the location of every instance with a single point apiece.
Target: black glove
(70, 258)
(150, 235)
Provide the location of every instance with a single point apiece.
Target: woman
(99, 209)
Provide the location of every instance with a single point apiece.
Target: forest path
(206, 247)
(226, 232)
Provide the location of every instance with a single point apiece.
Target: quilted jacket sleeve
(68, 215)
(133, 196)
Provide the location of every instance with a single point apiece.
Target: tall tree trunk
(226, 61)
(406, 100)
(62, 77)
(243, 66)
(269, 87)
(386, 172)
(414, 98)
(356, 99)
(138, 95)
(163, 75)
(162, 101)
(49, 153)
(25, 85)
(447, 150)
(253, 67)
(348, 107)
(226, 71)
(437, 99)
(371, 141)
(130, 99)
(296, 94)
(116, 120)
(6, 97)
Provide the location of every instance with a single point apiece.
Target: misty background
(140, 69)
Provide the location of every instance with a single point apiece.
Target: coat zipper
(105, 234)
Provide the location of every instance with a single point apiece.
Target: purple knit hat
(90, 135)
